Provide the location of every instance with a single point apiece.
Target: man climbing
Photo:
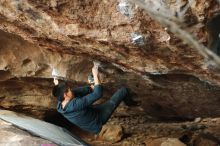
(76, 105)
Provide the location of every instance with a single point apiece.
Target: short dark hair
(59, 90)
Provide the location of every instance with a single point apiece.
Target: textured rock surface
(171, 79)
(167, 96)
(111, 133)
(140, 129)
(165, 142)
(205, 141)
(97, 30)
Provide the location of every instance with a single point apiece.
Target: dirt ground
(137, 129)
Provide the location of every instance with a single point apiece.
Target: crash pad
(51, 132)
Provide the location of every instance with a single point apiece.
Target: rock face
(170, 79)
(111, 133)
(204, 141)
(165, 142)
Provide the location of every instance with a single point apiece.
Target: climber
(76, 105)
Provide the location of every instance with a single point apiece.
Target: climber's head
(63, 91)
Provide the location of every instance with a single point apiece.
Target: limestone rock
(111, 133)
(206, 140)
(164, 142)
(172, 80)
(172, 142)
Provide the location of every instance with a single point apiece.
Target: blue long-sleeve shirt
(79, 110)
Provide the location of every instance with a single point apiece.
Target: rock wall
(171, 79)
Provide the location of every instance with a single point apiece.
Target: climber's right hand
(55, 81)
(95, 71)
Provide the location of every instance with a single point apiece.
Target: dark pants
(106, 109)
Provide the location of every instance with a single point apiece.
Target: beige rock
(197, 120)
(172, 142)
(155, 142)
(37, 36)
(204, 142)
(164, 142)
(111, 133)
